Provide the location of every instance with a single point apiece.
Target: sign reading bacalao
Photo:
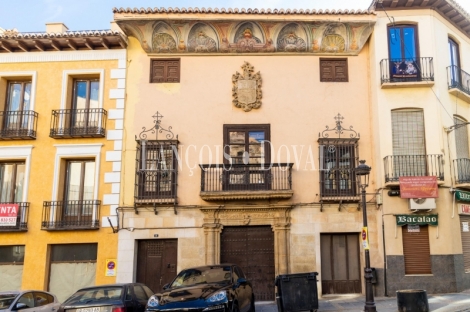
(418, 187)
(8, 214)
(416, 219)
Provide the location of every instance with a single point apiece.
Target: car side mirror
(20, 306)
(166, 286)
(241, 280)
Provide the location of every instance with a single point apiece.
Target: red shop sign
(418, 187)
(8, 214)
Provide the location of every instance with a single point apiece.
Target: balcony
(338, 185)
(458, 82)
(240, 181)
(18, 125)
(155, 186)
(407, 73)
(462, 172)
(413, 166)
(78, 123)
(71, 215)
(21, 224)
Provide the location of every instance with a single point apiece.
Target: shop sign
(110, 267)
(413, 228)
(462, 196)
(8, 214)
(465, 227)
(418, 187)
(464, 209)
(416, 219)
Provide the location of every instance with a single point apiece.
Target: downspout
(385, 257)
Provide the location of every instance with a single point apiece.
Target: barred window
(156, 169)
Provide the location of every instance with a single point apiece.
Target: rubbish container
(297, 292)
(415, 300)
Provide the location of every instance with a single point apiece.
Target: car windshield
(204, 275)
(96, 294)
(6, 300)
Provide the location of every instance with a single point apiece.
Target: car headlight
(153, 301)
(220, 296)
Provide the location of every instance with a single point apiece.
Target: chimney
(56, 28)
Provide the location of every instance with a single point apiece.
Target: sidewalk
(454, 302)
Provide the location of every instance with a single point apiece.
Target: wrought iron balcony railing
(21, 222)
(78, 123)
(155, 186)
(407, 70)
(18, 125)
(413, 166)
(71, 215)
(250, 178)
(462, 170)
(458, 78)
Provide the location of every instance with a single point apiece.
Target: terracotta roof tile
(68, 34)
(239, 11)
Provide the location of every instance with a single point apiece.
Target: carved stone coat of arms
(246, 90)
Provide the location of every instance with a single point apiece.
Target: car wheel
(252, 306)
(235, 307)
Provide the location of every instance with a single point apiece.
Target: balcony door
(462, 163)
(79, 192)
(11, 182)
(454, 63)
(403, 51)
(409, 145)
(84, 117)
(18, 102)
(246, 157)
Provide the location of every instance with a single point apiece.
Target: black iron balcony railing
(338, 184)
(21, 220)
(462, 170)
(407, 70)
(71, 215)
(18, 125)
(78, 123)
(458, 78)
(241, 177)
(413, 166)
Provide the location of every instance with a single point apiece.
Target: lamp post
(362, 175)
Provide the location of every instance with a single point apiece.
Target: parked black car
(215, 288)
(130, 297)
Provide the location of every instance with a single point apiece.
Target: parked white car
(28, 301)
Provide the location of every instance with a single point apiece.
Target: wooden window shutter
(465, 242)
(416, 250)
(165, 70)
(334, 70)
(408, 132)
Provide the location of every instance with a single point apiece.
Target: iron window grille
(156, 171)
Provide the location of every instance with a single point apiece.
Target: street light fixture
(362, 175)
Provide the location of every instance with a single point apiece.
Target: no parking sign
(110, 267)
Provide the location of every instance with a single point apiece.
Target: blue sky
(31, 15)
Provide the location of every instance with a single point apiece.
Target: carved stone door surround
(278, 216)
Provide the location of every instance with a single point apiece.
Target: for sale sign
(8, 214)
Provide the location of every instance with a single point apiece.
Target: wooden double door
(251, 248)
(156, 262)
(340, 263)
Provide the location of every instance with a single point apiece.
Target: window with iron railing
(156, 171)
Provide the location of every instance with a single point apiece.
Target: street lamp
(362, 175)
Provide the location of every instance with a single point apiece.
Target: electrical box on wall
(422, 203)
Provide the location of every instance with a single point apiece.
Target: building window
(156, 165)
(454, 63)
(79, 190)
(12, 175)
(334, 70)
(416, 249)
(403, 51)
(18, 103)
(338, 158)
(164, 70)
(247, 151)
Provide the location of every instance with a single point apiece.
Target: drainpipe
(385, 257)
